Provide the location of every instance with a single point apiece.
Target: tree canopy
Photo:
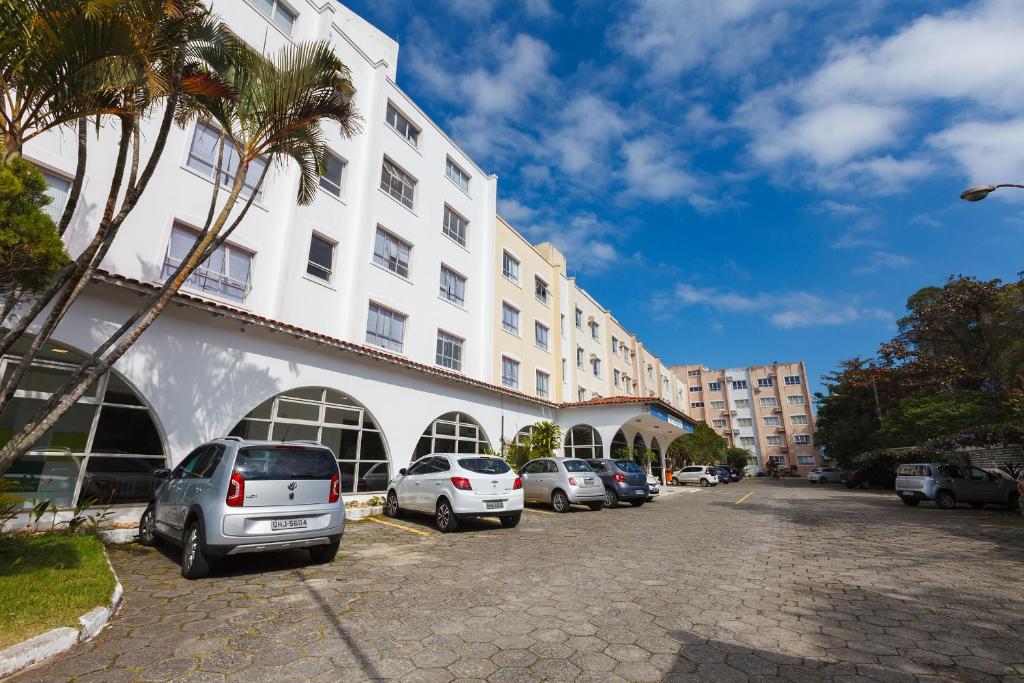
(31, 250)
(702, 446)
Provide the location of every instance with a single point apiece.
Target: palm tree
(545, 439)
(275, 116)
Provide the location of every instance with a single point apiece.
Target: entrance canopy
(647, 418)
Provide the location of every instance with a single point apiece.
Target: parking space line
(543, 512)
(744, 498)
(418, 532)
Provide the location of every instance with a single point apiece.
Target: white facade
(741, 409)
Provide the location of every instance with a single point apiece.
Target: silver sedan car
(562, 482)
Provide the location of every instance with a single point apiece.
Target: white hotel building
(327, 321)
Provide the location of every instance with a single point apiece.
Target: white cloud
(587, 131)
(989, 151)
(514, 211)
(831, 206)
(653, 172)
(588, 242)
(883, 260)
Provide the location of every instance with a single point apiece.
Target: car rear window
(914, 471)
(484, 465)
(627, 466)
(285, 462)
(577, 466)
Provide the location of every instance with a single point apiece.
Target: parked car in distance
(704, 475)
(724, 474)
(233, 496)
(869, 477)
(734, 474)
(623, 481)
(453, 486)
(949, 484)
(823, 475)
(653, 487)
(562, 482)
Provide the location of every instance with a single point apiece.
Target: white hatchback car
(823, 475)
(452, 486)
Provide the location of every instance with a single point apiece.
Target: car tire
(865, 484)
(945, 500)
(444, 517)
(704, 483)
(911, 502)
(595, 506)
(638, 503)
(147, 529)
(510, 521)
(391, 508)
(324, 554)
(560, 501)
(611, 499)
(194, 563)
(977, 505)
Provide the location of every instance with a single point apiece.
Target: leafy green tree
(545, 439)
(737, 457)
(31, 251)
(918, 419)
(702, 446)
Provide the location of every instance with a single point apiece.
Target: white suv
(452, 486)
(696, 474)
(823, 475)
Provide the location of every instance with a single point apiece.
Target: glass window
(792, 380)
(510, 372)
(404, 126)
(454, 225)
(540, 333)
(798, 419)
(385, 328)
(456, 174)
(594, 328)
(714, 386)
(583, 441)
(510, 319)
(795, 400)
(577, 466)
(334, 170)
(58, 189)
(453, 286)
(718, 424)
(742, 403)
(540, 291)
(271, 463)
(694, 389)
(773, 440)
(768, 402)
(451, 433)
(746, 441)
(772, 421)
(581, 394)
(202, 157)
(321, 258)
(802, 439)
(765, 382)
(744, 422)
(580, 356)
(510, 267)
(282, 16)
(617, 377)
(543, 384)
(484, 465)
(697, 404)
(579, 318)
(225, 273)
(391, 252)
(717, 405)
(739, 384)
(805, 460)
(397, 183)
(449, 351)
(595, 366)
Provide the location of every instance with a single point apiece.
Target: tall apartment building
(393, 316)
(766, 409)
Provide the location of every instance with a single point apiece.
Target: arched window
(104, 448)
(521, 434)
(583, 441)
(332, 418)
(638, 442)
(656, 463)
(619, 445)
(452, 433)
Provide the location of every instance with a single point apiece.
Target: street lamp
(975, 193)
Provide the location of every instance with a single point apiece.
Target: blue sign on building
(663, 415)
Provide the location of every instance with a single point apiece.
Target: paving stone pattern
(799, 582)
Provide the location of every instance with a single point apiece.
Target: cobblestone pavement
(797, 582)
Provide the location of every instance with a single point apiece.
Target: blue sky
(740, 181)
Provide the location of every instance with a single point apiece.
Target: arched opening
(104, 448)
(452, 433)
(522, 435)
(583, 441)
(656, 462)
(619, 445)
(639, 443)
(332, 418)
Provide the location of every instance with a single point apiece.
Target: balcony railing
(206, 280)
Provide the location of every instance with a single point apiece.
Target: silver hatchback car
(232, 496)
(562, 482)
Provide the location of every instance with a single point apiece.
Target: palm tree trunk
(76, 186)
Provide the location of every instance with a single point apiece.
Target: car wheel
(324, 554)
(194, 563)
(511, 521)
(704, 483)
(610, 498)
(637, 503)
(977, 505)
(560, 501)
(599, 505)
(945, 500)
(147, 529)
(865, 484)
(911, 502)
(445, 517)
(392, 509)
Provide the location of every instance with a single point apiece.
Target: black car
(623, 480)
(734, 474)
(870, 477)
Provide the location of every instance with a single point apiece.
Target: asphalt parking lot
(751, 581)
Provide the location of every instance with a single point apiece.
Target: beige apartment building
(766, 409)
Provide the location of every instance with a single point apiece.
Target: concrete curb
(52, 643)
(354, 514)
(119, 535)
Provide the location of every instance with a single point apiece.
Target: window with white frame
(693, 373)
(594, 330)
(595, 366)
(697, 404)
(664, 385)
(541, 291)
(456, 174)
(746, 441)
(453, 286)
(650, 375)
(454, 226)
(385, 328)
(717, 405)
(617, 377)
(798, 419)
(391, 252)
(802, 439)
(714, 386)
(773, 440)
(449, 351)
(795, 400)
(561, 324)
(718, 424)
(694, 389)
(510, 267)
(739, 384)
(742, 403)
(58, 189)
(403, 125)
(744, 422)
(278, 12)
(581, 394)
(768, 402)
(565, 371)
(777, 459)
(540, 335)
(321, 258)
(334, 172)
(579, 319)
(225, 273)
(628, 383)
(771, 421)
(792, 380)
(397, 183)
(805, 460)
(202, 158)
(510, 318)
(580, 356)
(765, 382)
(625, 353)
(543, 384)
(615, 344)
(509, 372)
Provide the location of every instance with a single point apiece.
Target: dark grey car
(949, 484)
(623, 480)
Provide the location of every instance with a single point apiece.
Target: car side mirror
(403, 471)
(162, 473)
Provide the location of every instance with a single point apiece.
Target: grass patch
(49, 581)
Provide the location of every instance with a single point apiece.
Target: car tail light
(517, 484)
(572, 481)
(236, 491)
(619, 477)
(462, 484)
(335, 493)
